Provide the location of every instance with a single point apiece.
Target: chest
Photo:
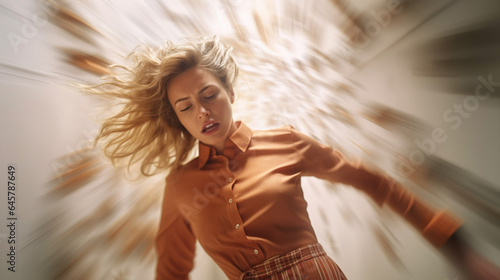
(256, 177)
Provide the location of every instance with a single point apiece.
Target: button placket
(234, 215)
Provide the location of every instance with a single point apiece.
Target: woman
(241, 197)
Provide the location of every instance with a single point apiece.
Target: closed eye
(210, 96)
(185, 109)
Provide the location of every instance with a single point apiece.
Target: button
(237, 226)
(256, 251)
(230, 200)
(230, 179)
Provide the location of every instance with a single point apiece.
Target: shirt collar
(240, 138)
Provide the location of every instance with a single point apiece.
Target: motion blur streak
(411, 87)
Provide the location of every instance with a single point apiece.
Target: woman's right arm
(175, 242)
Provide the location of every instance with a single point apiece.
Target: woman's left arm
(439, 227)
(326, 163)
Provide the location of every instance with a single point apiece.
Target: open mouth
(210, 128)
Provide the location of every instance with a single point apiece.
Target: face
(203, 106)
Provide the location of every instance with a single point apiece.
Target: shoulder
(287, 132)
(284, 131)
(282, 135)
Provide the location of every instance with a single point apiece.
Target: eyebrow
(199, 92)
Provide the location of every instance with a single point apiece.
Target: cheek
(229, 109)
(183, 121)
(187, 123)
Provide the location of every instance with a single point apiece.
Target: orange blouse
(247, 205)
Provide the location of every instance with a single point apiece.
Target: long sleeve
(325, 163)
(175, 242)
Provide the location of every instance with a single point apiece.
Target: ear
(231, 96)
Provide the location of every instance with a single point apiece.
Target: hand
(467, 261)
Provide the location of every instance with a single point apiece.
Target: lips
(210, 128)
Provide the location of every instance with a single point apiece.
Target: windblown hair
(145, 129)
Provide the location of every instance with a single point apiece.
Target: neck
(219, 148)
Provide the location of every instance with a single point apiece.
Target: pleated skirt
(309, 262)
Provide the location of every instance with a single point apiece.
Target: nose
(204, 113)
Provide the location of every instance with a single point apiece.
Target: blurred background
(411, 87)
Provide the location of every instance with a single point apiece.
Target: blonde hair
(146, 129)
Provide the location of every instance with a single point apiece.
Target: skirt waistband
(281, 262)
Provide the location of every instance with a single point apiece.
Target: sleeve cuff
(441, 228)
